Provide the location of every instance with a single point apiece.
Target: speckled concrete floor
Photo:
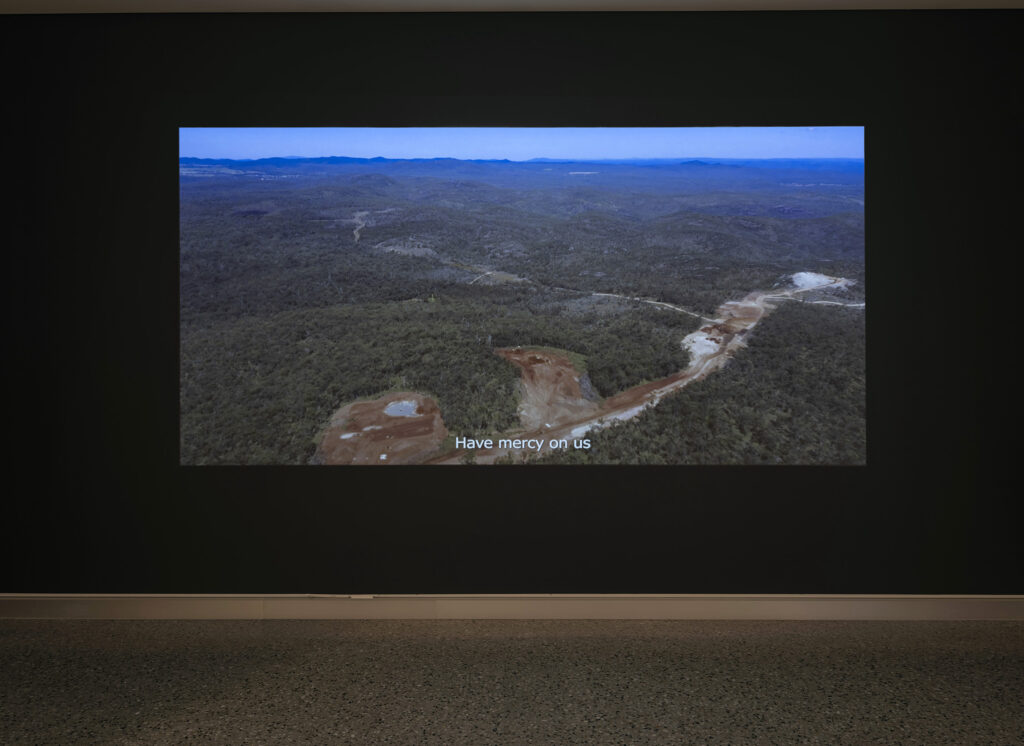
(510, 682)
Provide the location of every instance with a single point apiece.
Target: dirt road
(710, 348)
(658, 303)
(360, 221)
(406, 427)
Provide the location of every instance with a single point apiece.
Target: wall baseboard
(509, 606)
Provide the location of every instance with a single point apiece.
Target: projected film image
(491, 296)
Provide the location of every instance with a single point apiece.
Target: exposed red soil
(360, 433)
(552, 408)
(639, 394)
(550, 388)
(555, 402)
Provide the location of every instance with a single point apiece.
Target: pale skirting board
(509, 606)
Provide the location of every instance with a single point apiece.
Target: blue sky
(523, 143)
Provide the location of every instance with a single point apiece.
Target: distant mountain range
(841, 164)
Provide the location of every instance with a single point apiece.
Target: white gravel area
(699, 345)
(810, 279)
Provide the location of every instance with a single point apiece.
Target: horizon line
(535, 159)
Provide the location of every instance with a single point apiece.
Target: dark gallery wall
(91, 293)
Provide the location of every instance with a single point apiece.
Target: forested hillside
(306, 284)
(797, 395)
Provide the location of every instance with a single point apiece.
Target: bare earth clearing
(550, 386)
(360, 221)
(367, 432)
(552, 405)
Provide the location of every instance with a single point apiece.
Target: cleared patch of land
(551, 391)
(398, 428)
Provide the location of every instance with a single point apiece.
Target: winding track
(360, 221)
(660, 304)
(711, 347)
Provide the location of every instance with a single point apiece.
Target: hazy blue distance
(521, 143)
